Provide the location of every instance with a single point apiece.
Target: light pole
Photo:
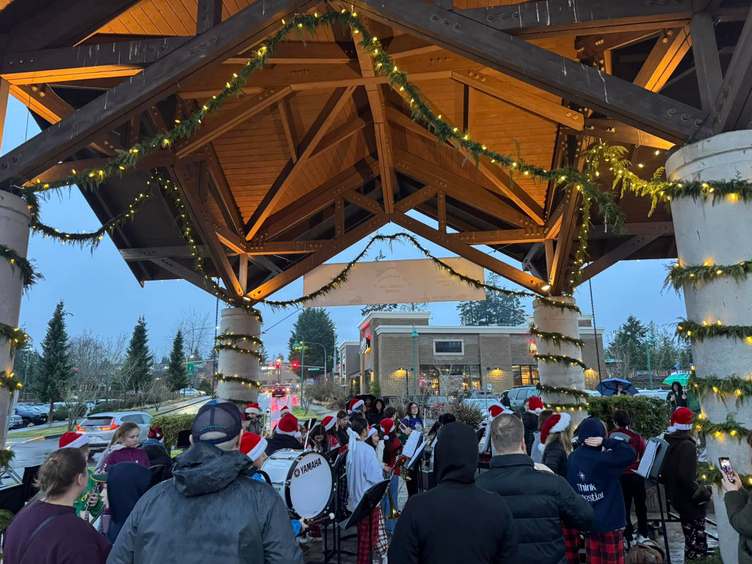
(302, 344)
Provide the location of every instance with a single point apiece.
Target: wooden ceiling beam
(733, 106)
(523, 99)
(148, 253)
(564, 243)
(285, 247)
(462, 249)
(501, 236)
(622, 252)
(415, 199)
(222, 191)
(657, 228)
(539, 67)
(319, 128)
(230, 118)
(333, 248)
(363, 202)
(245, 28)
(96, 60)
(707, 60)
(458, 187)
(320, 198)
(283, 109)
(616, 132)
(586, 17)
(664, 58)
(304, 53)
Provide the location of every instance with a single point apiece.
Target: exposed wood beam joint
(733, 107)
(622, 252)
(415, 199)
(664, 58)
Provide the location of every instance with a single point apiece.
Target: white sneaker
(641, 539)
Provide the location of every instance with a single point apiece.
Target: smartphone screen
(726, 468)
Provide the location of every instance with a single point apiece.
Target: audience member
(632, 484)
(556, 442)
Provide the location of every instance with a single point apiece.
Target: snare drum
(303, 479)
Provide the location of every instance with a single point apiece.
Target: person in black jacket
(687, 497)
(456, 521)
(540, 501)
(593, 471)
(533, 408)
(285, 435)
(556, 443)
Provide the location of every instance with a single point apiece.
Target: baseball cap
(216, 422)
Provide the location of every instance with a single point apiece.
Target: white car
(189, 392)
(99, 427)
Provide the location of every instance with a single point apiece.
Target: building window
(453, 346)
(449, 379)
(525, 374)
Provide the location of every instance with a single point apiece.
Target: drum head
(310, 485)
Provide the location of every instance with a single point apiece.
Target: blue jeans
(386, 507)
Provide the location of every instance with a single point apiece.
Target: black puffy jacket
(211, 511)
(540, 503)
(455, 522)
(680, 476)
(555, 457)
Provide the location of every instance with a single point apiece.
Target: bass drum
(303, 479)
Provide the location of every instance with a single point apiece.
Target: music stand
(368, 503)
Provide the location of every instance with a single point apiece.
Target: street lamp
(300, 345)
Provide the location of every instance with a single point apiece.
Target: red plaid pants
(601, 548)
(377, 544)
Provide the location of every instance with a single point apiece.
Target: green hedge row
(650, 416)
(172, 425)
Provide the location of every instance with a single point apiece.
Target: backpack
(648, 552)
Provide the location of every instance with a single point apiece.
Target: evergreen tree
(138, 361)
(628, 345)
(54, 370)
(177, 377)
(313, 329)
(496, 309)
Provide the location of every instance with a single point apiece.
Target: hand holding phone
(730, 479)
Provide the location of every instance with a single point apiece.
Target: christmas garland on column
(711, 475)
(554, 337)
(719, 430)
(698, 332)
(247, 383)
(562, 359)
(9, 381)
(721, 388)
(15, 336)
(560, 390)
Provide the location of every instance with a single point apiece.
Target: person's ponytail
(59, 471)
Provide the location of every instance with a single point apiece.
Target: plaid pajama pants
(600, 548)
(378, 544)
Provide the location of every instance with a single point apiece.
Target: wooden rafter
(501, 236)
(619, 133)
(208, 14)
(283, 109)
(363, 202)
(565, 241)
(454, 245)
(707, 60)
(285, 247)
(103, 113)
(148, 253)
(320, 198)
(664, 58)
(657, 228)
(733, 108)
(415, 199)
(304, 53)
(292, 169)
(622, 252)
(376, 101)
(534, 65)
(304, 266)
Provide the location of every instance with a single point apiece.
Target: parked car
(515, 397)
(30, 415)
(100, 427)
(436, 405)
(189, 392)
(15, 421)
(279, 392)
(481, 403)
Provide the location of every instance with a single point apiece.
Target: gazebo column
(718, 233)
(14, 234)
(555, 322)
(238, 371)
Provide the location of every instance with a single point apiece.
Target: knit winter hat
(681, 419)
(355, 405)
(535, 404)
(72, 440)
(556, 423)
(252, 445)
(328, 422)
(590, 427)
(387, 426)
(252, 408)
(288, 424)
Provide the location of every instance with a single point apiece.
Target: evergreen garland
(553, 337)
(740, 388)
(248, 383)
(719, 430)
(691, 331)
(28, 275)
(558, 304)
(564, 359)
(560, 407)
(228, 347)
(709, 474)
(9, 381)
(579, 394)
(15, 336)
(237, 337)
(693, 276)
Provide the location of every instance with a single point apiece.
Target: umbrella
(609, 387)
(681, 377)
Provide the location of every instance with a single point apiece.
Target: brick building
(395, 346)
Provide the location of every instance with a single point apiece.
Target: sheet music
(411, 443)
(647, 459)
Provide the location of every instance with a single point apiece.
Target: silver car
(100, 427)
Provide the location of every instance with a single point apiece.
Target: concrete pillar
(14, 233)
(552, 319)
(718, 233)
(235, 364)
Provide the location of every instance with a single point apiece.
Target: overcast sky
(102, 296)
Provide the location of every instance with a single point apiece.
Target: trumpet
(394, 513)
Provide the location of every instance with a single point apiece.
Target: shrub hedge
(650, 416)
(172, 425)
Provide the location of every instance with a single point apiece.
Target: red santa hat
(354, 405)
(72, 439)
(681, 419)
(371, 431)
(288, 424)
(495, 410)
(535, 404)
(556, 423)
(387, 426)
(252, 445)
(284, 409)
(252, 408)
(328, 422)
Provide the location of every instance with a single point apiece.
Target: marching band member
(329, 423)
(392, 451)
(533, 408)
(285, 435)
(254, 423)
(355, 407)
(494, 410)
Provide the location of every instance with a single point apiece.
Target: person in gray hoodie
(211, 511)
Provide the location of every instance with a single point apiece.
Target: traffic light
(296, 364)
(278, 363)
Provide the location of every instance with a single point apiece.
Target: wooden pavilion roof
(319, 152)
